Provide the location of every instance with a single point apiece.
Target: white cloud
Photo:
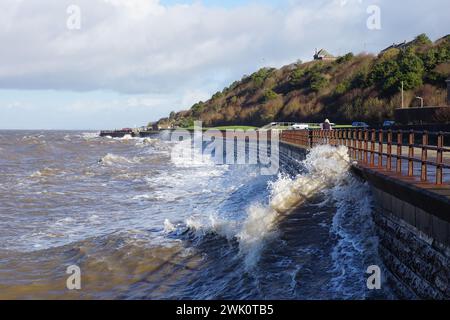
(182, 53)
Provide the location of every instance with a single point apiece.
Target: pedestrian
(327, 125)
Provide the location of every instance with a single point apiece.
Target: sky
(104, 64)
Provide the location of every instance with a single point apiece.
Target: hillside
(362, 87)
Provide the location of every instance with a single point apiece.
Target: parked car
(388, 123)
(300, 126)
(360, 125)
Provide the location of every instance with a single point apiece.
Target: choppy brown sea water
(141, 226)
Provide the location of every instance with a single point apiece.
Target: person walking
(327, 125)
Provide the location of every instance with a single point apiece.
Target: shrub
(348, 57)
(296, 76)
(318, 82)
(217, 95)
(360, 80)
(422, 40)
(186, 122)
(198, 108)
(407, 67)
(291, 107)
(411, 70)
(260, 76)
(342, 87)
(270, 95)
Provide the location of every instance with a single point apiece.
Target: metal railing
(385, 149)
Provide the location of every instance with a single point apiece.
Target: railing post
(360, 149)
(355, 151)
(424, 168)
(389, 151)
(366, 146)
(399, 151)
(380, 148)
(372, 148)
(346, 139)
(411, 154)
(439, 158)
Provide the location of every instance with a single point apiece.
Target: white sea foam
(46, 172)
(90, 135)
(185, 155)
(326, 167)
(357, 243)
(168, 226)
(126, 138)
(111, 159)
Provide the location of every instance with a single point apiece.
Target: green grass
(345, 126)
(236, 128)
(226, 128)
(339, 126)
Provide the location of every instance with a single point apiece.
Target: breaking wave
(325, 168)
(111, 159)
(357, 243)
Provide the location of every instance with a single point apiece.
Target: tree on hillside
(296, 76)
(346, 58)
(260, 76)
(411, 70)
(318, 81)
(270, 95)
(422, 40)
(363, 86)
(389, 73)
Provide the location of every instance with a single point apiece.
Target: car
(388, 123)
(360, 124)
(300, 126)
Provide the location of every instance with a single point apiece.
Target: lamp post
(421, 101)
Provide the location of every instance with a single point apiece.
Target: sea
(138, 223)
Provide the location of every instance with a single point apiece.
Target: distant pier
(122, 133)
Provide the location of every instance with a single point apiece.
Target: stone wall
(414, 246)
(290, 156)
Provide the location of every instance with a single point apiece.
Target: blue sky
(134, 61)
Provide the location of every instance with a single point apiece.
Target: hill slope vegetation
(360, 87)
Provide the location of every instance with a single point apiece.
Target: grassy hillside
(362, 87)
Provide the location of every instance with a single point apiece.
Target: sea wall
(290, 156)
(413, 226)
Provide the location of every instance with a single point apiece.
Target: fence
(397, 150)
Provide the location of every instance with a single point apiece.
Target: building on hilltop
(323, 54)
(401, 46)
